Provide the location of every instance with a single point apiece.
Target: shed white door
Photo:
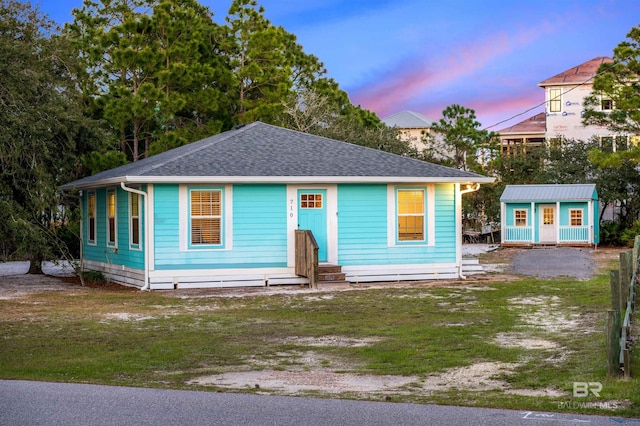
(547, 223)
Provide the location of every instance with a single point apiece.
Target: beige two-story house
(564, 108)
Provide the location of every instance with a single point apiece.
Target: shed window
(411, 215)
(520, 217)
(111, 218)
(575, 217)
(206, 217)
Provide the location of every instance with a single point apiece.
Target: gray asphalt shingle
(261, 150)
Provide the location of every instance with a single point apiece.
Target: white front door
(547, 223)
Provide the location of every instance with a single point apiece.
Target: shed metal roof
(260, 152)
(559, 192)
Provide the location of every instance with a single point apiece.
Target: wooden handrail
(307, 256)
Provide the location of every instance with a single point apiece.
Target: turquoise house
(223, 211)
(550, 215)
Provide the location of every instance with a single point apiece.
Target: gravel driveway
(552, 262)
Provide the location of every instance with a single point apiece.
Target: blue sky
(424, 55)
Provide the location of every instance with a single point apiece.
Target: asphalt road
(51, 404)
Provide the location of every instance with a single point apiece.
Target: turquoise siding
(363, 222)
(259, 234)
(510, 219)
(122, 254)
(563, 221)
(565, 218)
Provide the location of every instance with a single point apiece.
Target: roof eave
(276, 179)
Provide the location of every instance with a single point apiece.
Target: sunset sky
(424, 55)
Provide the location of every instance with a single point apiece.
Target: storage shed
(549, 214)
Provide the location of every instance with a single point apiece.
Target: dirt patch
(15, 286)
(297, 381)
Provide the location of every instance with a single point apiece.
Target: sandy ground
(317, 372)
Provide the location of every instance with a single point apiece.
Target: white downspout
(146, 232)
(470, 188)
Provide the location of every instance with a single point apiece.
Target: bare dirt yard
(316, 373)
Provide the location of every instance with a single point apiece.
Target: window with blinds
(411, 215)
(206, 217)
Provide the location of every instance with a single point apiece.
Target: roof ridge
(378, 151)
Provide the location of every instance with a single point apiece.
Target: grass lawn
(519, 344)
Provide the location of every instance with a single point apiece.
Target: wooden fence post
(625, 276)
(613, 343)
(614, 281)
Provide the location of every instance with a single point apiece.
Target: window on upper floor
(555, 100)
(606, 104)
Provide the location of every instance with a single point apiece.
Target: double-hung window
(91, 218)
(411, 218)
(111, 218)
(134, 217)
(555, 100)
(205, 217)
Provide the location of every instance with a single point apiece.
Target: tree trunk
(35, 266)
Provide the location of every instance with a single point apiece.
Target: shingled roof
(260, 152)
(535, 124)
(580, 74)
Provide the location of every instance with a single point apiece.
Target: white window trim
(93, 242)
(113, 191)
(184, 219)
(138, 246)
(581, 216)
(606, 98)
(430, 216)
(515, 222)
(553, 99)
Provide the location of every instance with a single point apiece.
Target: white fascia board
(284, 179)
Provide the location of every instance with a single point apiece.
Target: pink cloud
(500, 112)
(413, 78)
